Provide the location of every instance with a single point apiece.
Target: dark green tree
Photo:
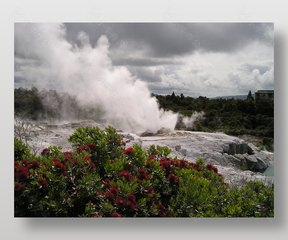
(249, 96)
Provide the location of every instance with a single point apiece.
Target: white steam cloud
(189, 121)
(44, 58)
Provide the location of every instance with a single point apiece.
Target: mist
(46, 60)
(189, 122)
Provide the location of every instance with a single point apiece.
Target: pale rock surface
(233, 157)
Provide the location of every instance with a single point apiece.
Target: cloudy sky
(196, 59)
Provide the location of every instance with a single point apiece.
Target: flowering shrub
(103, 179)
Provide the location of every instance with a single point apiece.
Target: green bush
(102, 178)
(20, 149)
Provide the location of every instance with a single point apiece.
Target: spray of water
(87, 73)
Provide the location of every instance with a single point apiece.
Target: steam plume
(46, 59)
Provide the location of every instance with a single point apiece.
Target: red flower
(59, 167)
(127, 175)
(219, 175)
(160, 207)
(128, 151)
(91, 205)
(142, 174)
(107, 185)
(172, 178)
(106, 180)
(83, 148)
(68, 158)
(164, 163)
(215, 169)
(114, 191)
(148, 165)
(209, 166)
(94, 216)
(34, 164)
(66, 196)
(16, 164)
(198, 169)
(130, 206)
(109, 196)
(92, 146)
(192, 164)
(22, 175)
(43, 183)
(183, 163)
(155, 150)
(93, 165)
(139, 181)
(131, 198)
(22, 169)
(63, 169)
(150, 158)
(19, 188)
(75, 163)
(45, 151)
(177, 164)
(226, 184)
(57, 164)
(68, 153)
(86, 158)
(25, 163)
(115, 215)
(120, 202)
(124, 143)
(112, 161)
(101, 193)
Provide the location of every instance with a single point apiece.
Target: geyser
(87, 73)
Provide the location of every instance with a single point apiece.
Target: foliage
(232, 116)
(20, 149)
(51, 105)
(104, 179)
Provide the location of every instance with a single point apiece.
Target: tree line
(51, 105)
(232, 116)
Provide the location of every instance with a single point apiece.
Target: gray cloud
(251, 67)
(145, 62)
(170, 39)
(146, 74)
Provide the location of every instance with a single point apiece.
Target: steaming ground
(87, 73)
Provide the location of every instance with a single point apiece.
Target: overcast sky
(196, 59)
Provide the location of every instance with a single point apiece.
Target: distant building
(267, 94)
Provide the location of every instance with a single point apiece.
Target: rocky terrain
(237, 160)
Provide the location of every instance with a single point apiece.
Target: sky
(196, 59)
